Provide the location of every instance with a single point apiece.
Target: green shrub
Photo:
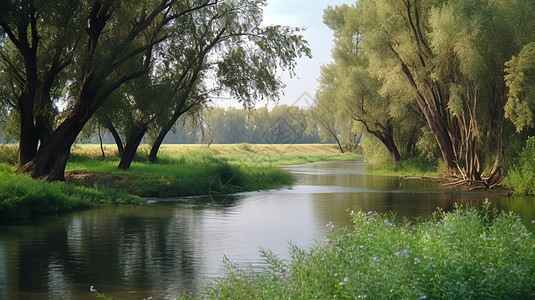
(466, 254)
(375, 152)
(522, 176)
(9, 154)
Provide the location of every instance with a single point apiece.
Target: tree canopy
(442, 63)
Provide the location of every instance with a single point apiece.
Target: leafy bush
(522, 176)
(466, 254)
(9, 154)
(375, 152)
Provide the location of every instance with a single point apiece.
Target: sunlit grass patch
(201, 171)
(465, 254)
(415, 166)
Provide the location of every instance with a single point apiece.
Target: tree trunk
(161, 136)
(339, 145)
(393, 149)
(388, 140)
(132, 143)
(437, 125)
(29, 139)
(100, 142)
(51, 158)
(409, 149)
(116, 137)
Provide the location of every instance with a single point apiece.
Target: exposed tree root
(487, 183)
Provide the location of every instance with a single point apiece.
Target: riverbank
(468, 253)
(22, 197)
(181, 170)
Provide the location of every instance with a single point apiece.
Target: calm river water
(171, 246)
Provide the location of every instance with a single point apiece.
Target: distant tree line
(282, 124)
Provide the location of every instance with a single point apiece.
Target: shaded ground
(93, 179)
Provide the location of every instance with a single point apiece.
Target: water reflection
(170, 246)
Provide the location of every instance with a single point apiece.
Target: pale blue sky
(309, 14)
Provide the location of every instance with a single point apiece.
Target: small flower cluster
(403, 254)
(487, 238)
(343, 281)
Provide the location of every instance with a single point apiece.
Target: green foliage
(522, 176)
(465, 254)
(374, 152)
(399, 63)
(9, 154)
(520, 80)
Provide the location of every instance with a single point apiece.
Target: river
(171, 246)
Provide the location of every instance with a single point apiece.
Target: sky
(304, 13)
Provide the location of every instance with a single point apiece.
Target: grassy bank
(185, 170)
(181, 170)
(466, 254)
(21, 197)
(412, 167)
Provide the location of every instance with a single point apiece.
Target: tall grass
(522, 175)
(465, 254)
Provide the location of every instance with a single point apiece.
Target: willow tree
(233, 52)
(107, 35)
(38, 42)
(323, 115)
(451, 55)
(220, 45)
(350, 87)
